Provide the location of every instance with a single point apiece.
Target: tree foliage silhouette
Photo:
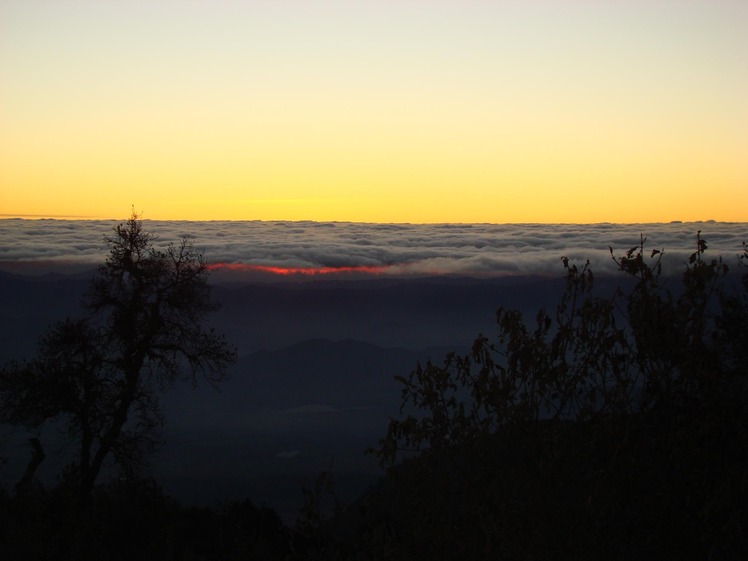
(101, 373)
(597, 356)
(616, 427)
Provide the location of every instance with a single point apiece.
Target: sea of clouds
(394, 249)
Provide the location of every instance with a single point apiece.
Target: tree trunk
(23, 487)
(90, 471)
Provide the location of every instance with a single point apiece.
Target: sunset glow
(542, 111)
(292, 271)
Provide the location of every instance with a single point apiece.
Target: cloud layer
(266, 248)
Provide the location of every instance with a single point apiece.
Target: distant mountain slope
(340, 375)
(321, 370)
(412, 314)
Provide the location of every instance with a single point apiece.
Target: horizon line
(19, 216)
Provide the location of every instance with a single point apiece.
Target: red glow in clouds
(286, 271)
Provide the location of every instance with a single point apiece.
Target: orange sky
(411, 111)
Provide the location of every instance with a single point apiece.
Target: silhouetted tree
(626, 353)
(615, 428)
(101, 374)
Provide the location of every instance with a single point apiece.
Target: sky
(443, 111)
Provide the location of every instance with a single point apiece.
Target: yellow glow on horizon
(375, 112)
